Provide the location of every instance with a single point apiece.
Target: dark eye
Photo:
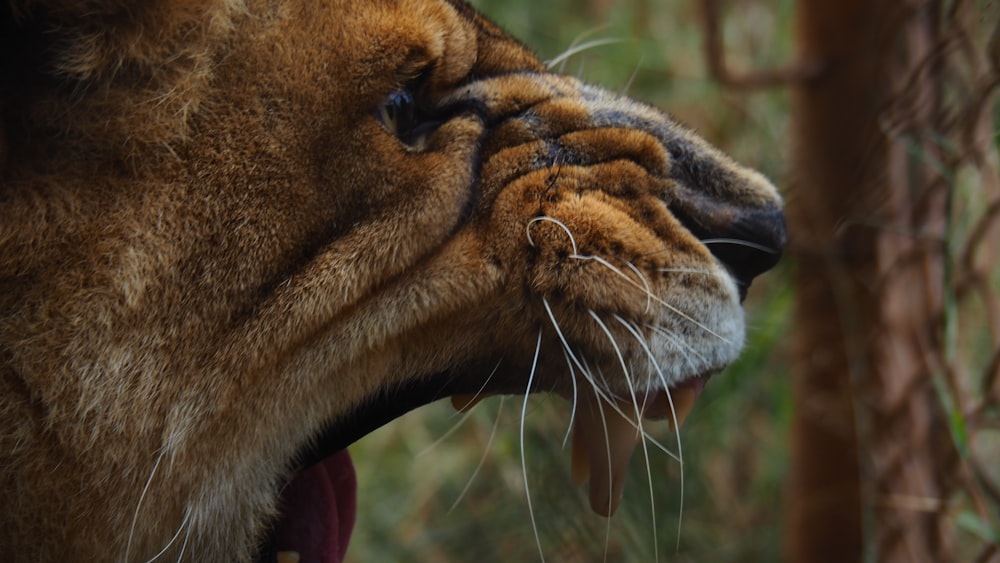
(407, 119)
(398, 114)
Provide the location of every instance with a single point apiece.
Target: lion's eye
(402, 115)
(397, 113)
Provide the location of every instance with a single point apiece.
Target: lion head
(237, 236)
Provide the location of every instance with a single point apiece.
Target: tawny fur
(210, 248)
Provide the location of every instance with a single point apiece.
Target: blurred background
(862, 421)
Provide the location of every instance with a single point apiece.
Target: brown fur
(210, 248)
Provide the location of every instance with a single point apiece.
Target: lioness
(235, 236)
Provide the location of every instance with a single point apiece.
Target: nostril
(745, 260)
(748, 242)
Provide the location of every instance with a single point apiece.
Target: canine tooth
(604, 437)
(607, 440)
(463, 403)
(683, 401)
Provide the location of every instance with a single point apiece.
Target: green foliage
(734, 443)
(972, 523)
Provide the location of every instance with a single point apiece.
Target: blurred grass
(734, 442)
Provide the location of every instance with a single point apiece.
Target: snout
(747, 241)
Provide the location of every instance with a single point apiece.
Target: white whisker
(635, 404)
(568, 354)
(652, 296)
(679, 342)
(573, 402)
(631, 78)
(645, 451)
(686, 271)
(740, 242)
(607, 448)
(645, 283)
(580, 48)
(652, 499)
(464, 416)
(599, 390)
(680, 462)
(677, 427)
(562, 339)
(584, 369)
(680, 452)
(138, 506)
(576, 41)
(187, 536)
(482, 459)
(557, 222)
(182, 527)
(656, 443)
(621, 361)
(524, 464)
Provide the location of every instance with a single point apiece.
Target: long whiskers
(570, 360)
(185, 525)
(576, 41)
(645, 287)
(463, 418)
(700, 271)
(524, 464)
(638, 410)
(651, 295)
(645, 282)
(553, 220)
(142, 497)
(482, 459)
(632, 77)
(607, 448)
(599, 390)
(635, 278)
(187, 536)
(573, 402)
(573, 50)
(741, 242)
(673, 413)
(588, 375)
(682, 346)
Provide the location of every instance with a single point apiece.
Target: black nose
(748, 241)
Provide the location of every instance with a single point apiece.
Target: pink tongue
(318, 509)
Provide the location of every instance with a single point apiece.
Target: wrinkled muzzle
(638, 242)
(563, 132)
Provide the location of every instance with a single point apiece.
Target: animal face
(236, 237)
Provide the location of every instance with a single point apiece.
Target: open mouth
(318, 503)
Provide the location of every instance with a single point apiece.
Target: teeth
(683, 401)
(463, 403)
(604, 439)
(287, 557)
